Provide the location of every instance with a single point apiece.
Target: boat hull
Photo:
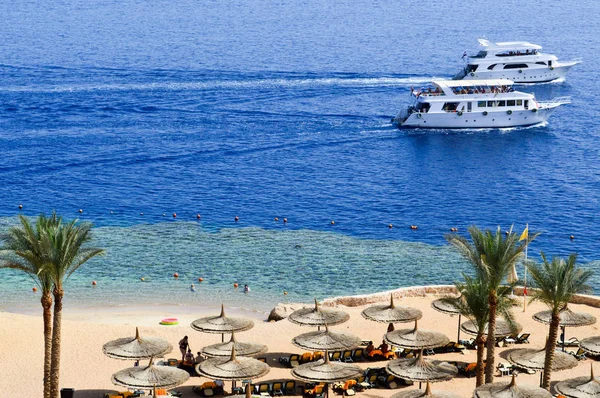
(470, 120)
(528, 75)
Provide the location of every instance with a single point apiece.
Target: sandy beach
(86, 369)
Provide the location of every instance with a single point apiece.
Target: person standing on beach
(183, 347)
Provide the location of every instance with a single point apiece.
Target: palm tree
(473, 303)
(66, 253)
(492, 255)
(25, 248)
(556, 283)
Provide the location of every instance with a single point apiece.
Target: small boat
(475, 104)
(520, 61)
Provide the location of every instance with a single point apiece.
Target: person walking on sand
(183, 347)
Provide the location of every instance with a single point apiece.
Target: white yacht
(474, 104)
(520, 61)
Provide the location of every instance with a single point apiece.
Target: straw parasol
(325, 340)
(221, 324)
(425, 394)
(591, 345)
(510, 390)
(150, 376)
(243, 349)
(580, 387)
(390, 313)
(137, 347)
(533, 359)
(447, 308)
(567, 318)
(502, 328)
(415, 339)
(233, 368)
(318, 316)
(420, 369)
(324, 371)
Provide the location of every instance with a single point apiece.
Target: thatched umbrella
(510, 390)
(137, 347)
(447, 308)
(502, 328)
(326, 340)
(425, 394)
(242, 349)
(148, 377)
(324, 371)
(580, 387)
(232, 368)
(567, 318)
(318, 316)
(390, 313)
(534, 359)
(591, 345)
(222, 324)
(420, 369)
(415, 339)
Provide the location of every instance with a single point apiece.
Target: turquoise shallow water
(304, 263)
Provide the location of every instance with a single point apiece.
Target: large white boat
(520, 61)
(474, 104)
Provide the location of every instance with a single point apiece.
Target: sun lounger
(580, 354)
(317, 355)
(500, 342)
(469, 344)
(294, 360)
(358, 354)
(572, 342)
(289, 388)
(306, 357)
(523, 338)
(277, 389)
(347, 356)
(444, 349)
(361, 383)
(505, 369)
(335, 356)
(428, 351)
(264, 389)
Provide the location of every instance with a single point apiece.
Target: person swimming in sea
(192, 288)
(246, 289)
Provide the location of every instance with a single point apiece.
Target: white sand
(85, 368)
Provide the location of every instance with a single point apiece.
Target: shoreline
(151, 313)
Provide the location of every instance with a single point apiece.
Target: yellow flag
(525, 234)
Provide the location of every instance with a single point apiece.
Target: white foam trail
(266, 83)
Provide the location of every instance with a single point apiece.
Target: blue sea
(133, 110)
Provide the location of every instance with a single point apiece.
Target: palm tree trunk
(479, 341)
(46, 301)
(491, 339)
(550, 347)
(55, 367)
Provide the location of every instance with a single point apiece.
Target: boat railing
(555, 101)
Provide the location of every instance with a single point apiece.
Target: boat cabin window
(515, 66)
(491, 104)
(519, 102)
(491, 66)
(502, 103)
(541, 63)
(481, 104)
(517, 53)
(471, 68)
(510, 103)
(450, 106)
(423, 107)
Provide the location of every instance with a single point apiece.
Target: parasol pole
(525, 236)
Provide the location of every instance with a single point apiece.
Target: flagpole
(525, 272)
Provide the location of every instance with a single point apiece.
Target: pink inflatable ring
(169, 321)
